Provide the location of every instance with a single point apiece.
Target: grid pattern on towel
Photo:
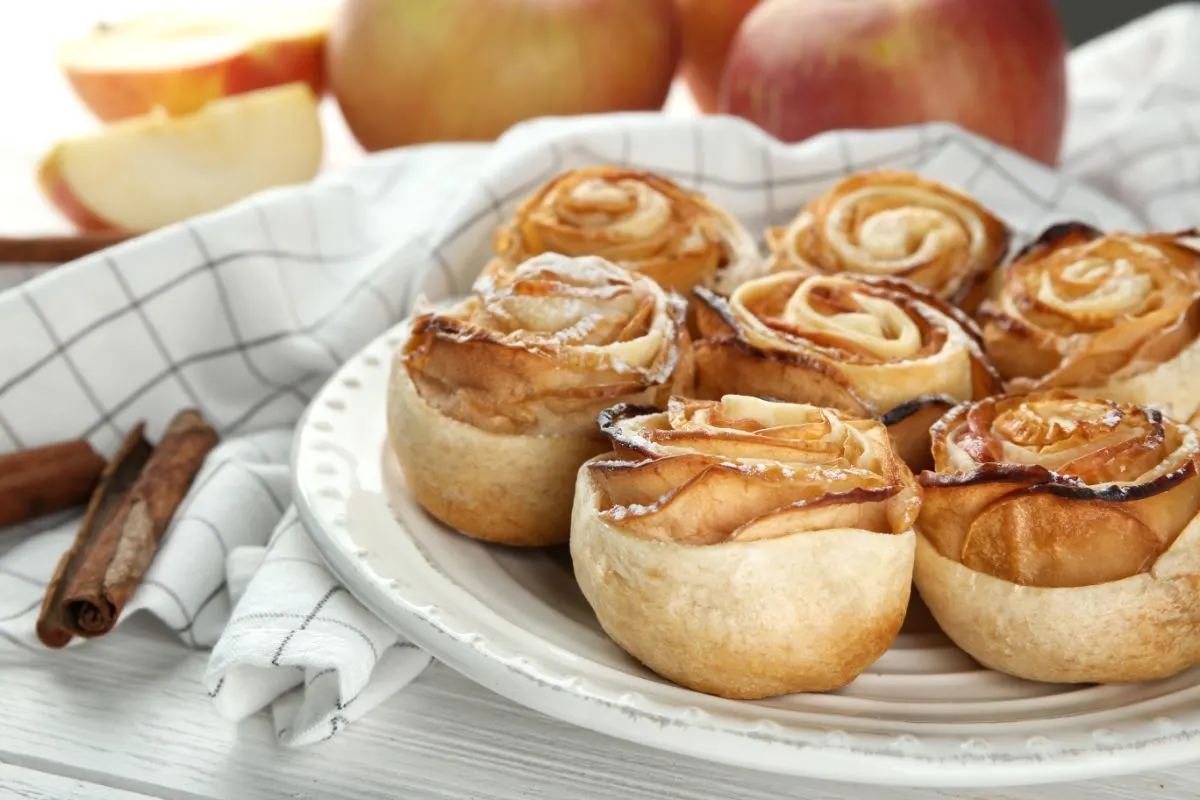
(246, 312)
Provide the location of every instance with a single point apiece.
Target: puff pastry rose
(869, 346)
(1114, 316)
(492, 403)
(746, 548)
(1059, 540)
(895, 225)
(640, 220)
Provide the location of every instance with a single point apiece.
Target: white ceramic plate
(514, 621)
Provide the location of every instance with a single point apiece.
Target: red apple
(995, 67)
(179, 60)
(145, 172)
(708, 30)
(436, 70)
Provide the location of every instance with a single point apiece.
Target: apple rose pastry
(1058, 540)
(875, 347)
(1113, 316)
(895, 225)
(492, 403)
(746, 548)
(639, 220)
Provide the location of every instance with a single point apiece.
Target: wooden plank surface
(19, 783)
(130, 712)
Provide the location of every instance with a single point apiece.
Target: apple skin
(800, 67)
(120, 94)
(467, 70)
(56, 189)
(708, 30)
(141, 173)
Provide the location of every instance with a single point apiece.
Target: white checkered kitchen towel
(244, 313)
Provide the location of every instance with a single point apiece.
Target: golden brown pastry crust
(1060, 538)
(637, 219)
(898, 225)
(1114, 316)
(504, 488)
(869, 346)
(492, 403)
(746, 548)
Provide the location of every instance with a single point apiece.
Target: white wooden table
(127, 717)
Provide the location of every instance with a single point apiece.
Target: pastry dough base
(1173, 386)
(1140, 628)
(745, 620)
(511, 489)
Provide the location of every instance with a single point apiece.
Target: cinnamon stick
(45, 479)
(138, 495)
(56, 249)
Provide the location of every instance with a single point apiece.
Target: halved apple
(180, 60)
(143, 173)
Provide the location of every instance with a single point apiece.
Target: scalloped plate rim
(620, 710)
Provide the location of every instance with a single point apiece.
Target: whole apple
(995, 67)
(708, 30)
(456, 70)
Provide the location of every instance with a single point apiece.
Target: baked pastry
(746, 548)
(640, 220)
(876, 347)
(896, 225)
(1114, 316)
(492, 403)
(1059, 541)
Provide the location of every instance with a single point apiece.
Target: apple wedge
(146, 172)
(180, 60)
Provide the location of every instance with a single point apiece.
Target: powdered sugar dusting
(619, 513)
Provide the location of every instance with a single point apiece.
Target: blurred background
(43, 94)
(1086, 19)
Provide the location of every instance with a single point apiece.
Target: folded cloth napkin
(244, 313)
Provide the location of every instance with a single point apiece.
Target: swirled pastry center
(753, 432)
(838, 315)
(857, 320)
(628, 209)
(742, 468)
(895, 224)
(1053, 490)
(1084, 310)
(1096, 290)
(545, 347)
(894, 229)
(637, 220)
(1052, 423)
(1095, 441)
(547, 310)
(1060, 435)
(1093, 287)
